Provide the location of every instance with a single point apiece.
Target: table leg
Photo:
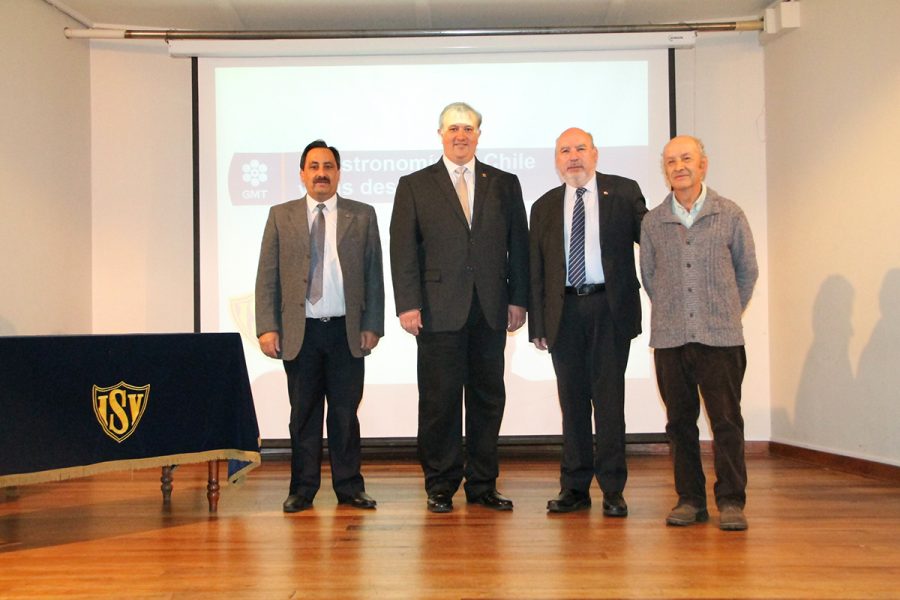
(166, 486)
(212, 486)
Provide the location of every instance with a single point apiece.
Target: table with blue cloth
(72, 406)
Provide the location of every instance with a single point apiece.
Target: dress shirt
(332, 302)
(687, 216)
(470, 179)
(593, 267)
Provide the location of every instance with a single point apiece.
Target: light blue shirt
(687, 216)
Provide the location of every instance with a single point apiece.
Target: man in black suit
(320, 308)
(459, 261)
(585, 309)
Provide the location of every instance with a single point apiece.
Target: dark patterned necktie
(576, 241)
(316, 256)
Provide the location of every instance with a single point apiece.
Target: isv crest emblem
(119, 408)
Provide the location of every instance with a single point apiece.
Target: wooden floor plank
(814, 533)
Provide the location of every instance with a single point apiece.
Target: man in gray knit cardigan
(698, 265)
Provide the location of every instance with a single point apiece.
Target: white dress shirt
(332, 302)
(593, 267)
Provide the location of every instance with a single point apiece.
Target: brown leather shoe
(731, 518)
(686, 514)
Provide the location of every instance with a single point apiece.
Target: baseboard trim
(550, 447)
(537, 447)
(837, 462)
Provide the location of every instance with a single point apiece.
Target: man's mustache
(321, 180)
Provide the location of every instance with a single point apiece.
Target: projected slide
(256, 115)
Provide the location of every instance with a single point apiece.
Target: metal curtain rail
(183, 34)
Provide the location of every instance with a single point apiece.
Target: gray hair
(700, 145)
(459, 107)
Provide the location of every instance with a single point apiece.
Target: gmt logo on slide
(262, 179)
(259, 178)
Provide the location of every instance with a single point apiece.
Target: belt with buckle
(586, 289)
(323, 319)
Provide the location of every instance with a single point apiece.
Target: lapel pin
(605, 193)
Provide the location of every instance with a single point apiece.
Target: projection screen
(381, 112)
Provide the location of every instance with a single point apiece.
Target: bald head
(684, 165)
(687, 139)
(576, 156)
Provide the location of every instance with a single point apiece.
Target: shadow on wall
(826, 382)
(878, 375)
(860, 414)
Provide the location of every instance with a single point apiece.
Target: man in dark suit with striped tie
(585, 309)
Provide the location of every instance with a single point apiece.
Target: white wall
(720, 99)
(833, 99)
(45, 210)
(142, 189)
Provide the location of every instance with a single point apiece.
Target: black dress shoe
(569, 501)
(440, 502)
(614, 505)
(358, 500)
(296, 503)
(492, 499)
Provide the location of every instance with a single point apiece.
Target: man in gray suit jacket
(320, 308)
(585, 309)
(459, 259)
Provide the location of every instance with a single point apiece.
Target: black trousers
(684, 375)
(325, 368)
(589, 358)
(456, 367)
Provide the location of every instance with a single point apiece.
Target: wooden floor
(814, 533)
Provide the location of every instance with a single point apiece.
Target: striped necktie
(576, 241)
